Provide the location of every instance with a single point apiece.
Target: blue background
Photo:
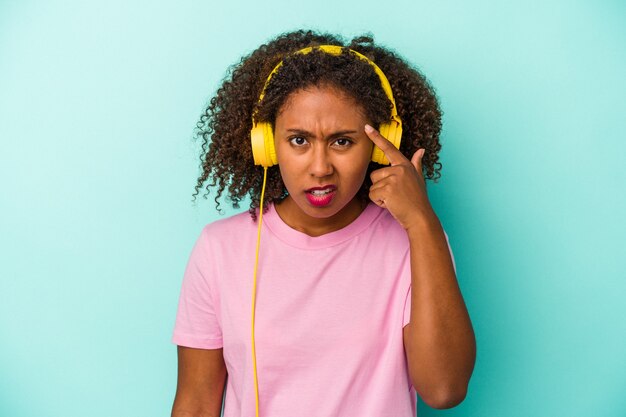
(98, 102)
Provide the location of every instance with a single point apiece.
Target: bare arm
(439, 340)
(201, 380)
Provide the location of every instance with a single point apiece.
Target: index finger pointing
(394, 156)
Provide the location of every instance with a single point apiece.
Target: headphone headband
(337, 50)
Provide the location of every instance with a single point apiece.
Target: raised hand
(400, 187)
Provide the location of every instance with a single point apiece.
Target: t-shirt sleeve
(197, 323)
(407, 302)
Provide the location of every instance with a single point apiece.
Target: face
(323, 154)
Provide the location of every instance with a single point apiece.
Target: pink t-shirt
(329, 315)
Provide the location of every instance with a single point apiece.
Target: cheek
(363, 174)
(284, 174)
(289, 174)
(358, 172)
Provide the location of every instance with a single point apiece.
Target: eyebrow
(331, 136)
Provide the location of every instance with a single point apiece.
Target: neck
(295, 218)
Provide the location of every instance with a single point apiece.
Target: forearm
(439, 341)
(196, 410)
(183, 413)
(200, 397)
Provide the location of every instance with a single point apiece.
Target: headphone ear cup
(378, 156)
(395, 133)
(392, 131)
(270, 149)
(262, 140)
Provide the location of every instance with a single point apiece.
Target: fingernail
(369, 129)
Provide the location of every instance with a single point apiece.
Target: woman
(353, 303)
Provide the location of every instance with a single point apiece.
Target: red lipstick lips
(321, 196)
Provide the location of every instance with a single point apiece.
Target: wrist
(424, 222)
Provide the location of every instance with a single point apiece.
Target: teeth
(320, 192)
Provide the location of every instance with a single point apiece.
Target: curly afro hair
(224, 127)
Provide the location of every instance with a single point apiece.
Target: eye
(298, 141)
(343, 142)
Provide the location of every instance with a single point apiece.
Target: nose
(320, 165)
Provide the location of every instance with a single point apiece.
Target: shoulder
(231, 226)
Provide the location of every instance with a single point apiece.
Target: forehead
(314, 105)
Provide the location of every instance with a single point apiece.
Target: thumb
(416, 160)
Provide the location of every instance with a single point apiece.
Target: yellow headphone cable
(256, 263)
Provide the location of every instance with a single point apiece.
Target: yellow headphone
(264, 152)
(262, 135)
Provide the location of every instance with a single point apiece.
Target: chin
(322, 212)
